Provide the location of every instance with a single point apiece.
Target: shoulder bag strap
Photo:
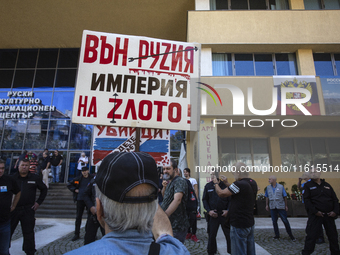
(154, 248)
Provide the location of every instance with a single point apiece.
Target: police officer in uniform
(217, 209)
(78, 186)
(92, 223)
(322, 207)
(27, 205)
(8, 189)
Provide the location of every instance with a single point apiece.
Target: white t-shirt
(193, 182)
(84, 159)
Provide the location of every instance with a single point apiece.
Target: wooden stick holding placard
(137, 144)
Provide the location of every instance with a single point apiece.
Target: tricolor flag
(107, 139)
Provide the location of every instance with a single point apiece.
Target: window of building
(287, 152)
(219, 5)
(312, 4)
(23, 79)
(304, 152)
(47, 58)
(285, 64)
(14, 134)
(264, 64)
(260, 153)
(278, 5)
(46, 99)
(8, 58)
(239, 4)
(257, 4)
(244, 65)
(322, 4)
(6, 78)
(1, 128)
(327, 64)
(226, 64)
(52, 74)
(81, 137)
(222, 64)
(334, 151)
(58, 134)
(36, 134)
(337, 63)
(66, 79)
(42, 69)
(27, 58)
(63, 101)
(249, 5)
(296, 153)
(44, 79)
(250, 151)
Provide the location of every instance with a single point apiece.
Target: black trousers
(26, 216)
(192, 216)
(80, 210)
(314, 224)
(91, 228)
(214, 224)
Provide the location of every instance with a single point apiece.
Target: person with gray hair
(127, 208)
(241, 210)
(276, 201)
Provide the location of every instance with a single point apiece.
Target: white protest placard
(134, 81)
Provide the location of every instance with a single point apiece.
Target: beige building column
(208, 152)
(296, 4)
(305, 62)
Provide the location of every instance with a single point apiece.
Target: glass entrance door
(73, 163)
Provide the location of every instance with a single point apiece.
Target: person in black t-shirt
(28, 204)
(92, 223)
(78, 186)
(241, 210)
(56, 161)
(217, 209)
(8, 187)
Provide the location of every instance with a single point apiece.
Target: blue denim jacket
(131, 242)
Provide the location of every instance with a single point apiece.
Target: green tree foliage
(176, 140)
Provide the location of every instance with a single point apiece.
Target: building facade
(262, 45)
(245, 43)
(39, 53)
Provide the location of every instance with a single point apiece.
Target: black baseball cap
(84, 168)
(120, 172)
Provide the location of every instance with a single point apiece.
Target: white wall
(206, 62)
(202, 5)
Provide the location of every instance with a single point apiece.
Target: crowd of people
(139, 207)
(43, 163)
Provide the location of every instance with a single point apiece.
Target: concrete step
(57, 186)
(58, 207)
(58, 203)
(53, 213)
